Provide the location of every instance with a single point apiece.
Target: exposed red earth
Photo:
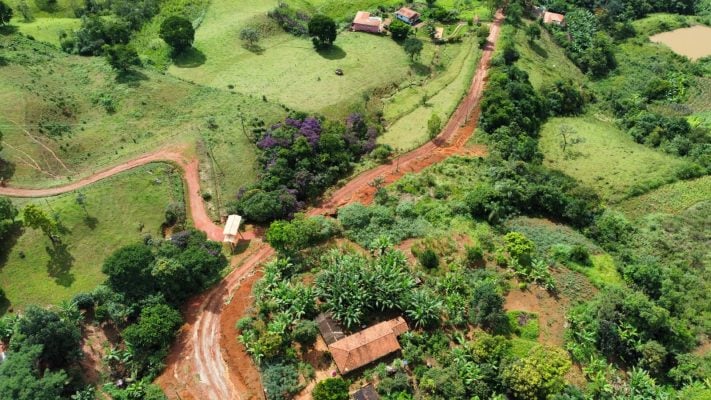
(207, 361)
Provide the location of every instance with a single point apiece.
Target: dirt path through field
(206, 361)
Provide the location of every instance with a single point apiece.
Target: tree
(533, 32)
(322, 30)
(413, 47)
(331, 389)
(423, 308)
(149, 338)
(60, 339)
(434, 125)
(8, 213)
(431, 3)
(539, 375)
(20, 377)
(128, 271)
(250, 36)
(121, 57)
(36, 218)
(25, 10)
(487, 307)
(281, 381)
(5, 14)
(399, 30)
(483, 34)
(178, 32)
(305, 332)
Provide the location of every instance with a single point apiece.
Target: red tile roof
(409, 13)
(364, 18)
(368, 345)
(550, 17)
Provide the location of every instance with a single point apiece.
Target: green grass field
(545, 61)
(288, 70)
(669, 199)
(407, 116)
(75, 107)
(607, 160)
(47, 29)
(120, 211)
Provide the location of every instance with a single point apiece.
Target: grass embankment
(607, 159)
(119, 211)
(669, 199)
(75, 107)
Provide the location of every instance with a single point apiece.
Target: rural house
(368, 345)
(553, 18)
(408, 15)
(364, 22)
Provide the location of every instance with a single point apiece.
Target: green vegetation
(669, 199)
(603, 157)
(118, 211)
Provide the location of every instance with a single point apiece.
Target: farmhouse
(408, 15)
(368, 345)
(364, 22)
(553, 18)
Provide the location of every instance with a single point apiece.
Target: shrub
(305, 332)
(83, 301)
(428, 259)
(281, 381)
(331, 389)
(474, 255)
(178, 32)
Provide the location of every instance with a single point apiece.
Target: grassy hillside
(119, 211)
(669, 199)
(607, 159)
(75, 108)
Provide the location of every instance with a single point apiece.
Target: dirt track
(196, 367)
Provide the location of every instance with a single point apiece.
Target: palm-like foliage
(423, 308)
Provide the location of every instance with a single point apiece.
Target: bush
(305, 332)
(474, 255)
(331, 389)
(281, 381)
(178, 32)
(428, 259)
(83, 301)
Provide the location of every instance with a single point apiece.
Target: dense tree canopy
(322, 29)
(58, 337)
(178, 32)
(5, 13)
(22, 379)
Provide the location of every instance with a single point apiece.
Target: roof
(368, 345)
(549, 17)
(330, 329)
(366, 393)
(439, 33)
(408, 13)
(232, 227)
(364, 18)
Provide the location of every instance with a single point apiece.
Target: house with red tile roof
(408, 15)
(364, 22)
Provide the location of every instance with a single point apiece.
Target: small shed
(364, 22)
(439, 34)
(231, 231)
(367, 392)
(408, 15)
(330, 329)
(553, 18)
(368, 345)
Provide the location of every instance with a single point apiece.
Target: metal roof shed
(231, 231)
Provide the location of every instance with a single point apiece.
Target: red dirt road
(196, 367)
(176, 156)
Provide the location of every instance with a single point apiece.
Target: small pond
(693, 42)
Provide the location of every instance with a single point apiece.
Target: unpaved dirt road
(196, 367)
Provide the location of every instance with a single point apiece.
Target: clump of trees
(399, 30)
(300, 158)
(178, 32)
(322, 30)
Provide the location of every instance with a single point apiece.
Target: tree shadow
(4, 305)
(332, 53)
(539, 50)
(131, 78)
(254, 48)
(190, 58)
(7, 170)
(60, 263)
(8, 242)
(420, 68)
(8, 29)
(91, 222)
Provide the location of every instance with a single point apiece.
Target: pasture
(669, 199)
(606, 158)
(119, 211)
(58, 109)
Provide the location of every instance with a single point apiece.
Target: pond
(693, 42)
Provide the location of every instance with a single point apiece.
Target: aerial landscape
(355, 199)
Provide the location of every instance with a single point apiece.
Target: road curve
(196, 367)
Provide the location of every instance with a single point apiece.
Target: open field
(48, 29)
(669, 199)
(64, 117)
(607, 159)
(287, 69)
(407, 115)
(545, 61)
(119, 211)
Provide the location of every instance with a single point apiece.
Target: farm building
(330, 329)
(438, 34)
(231, 230)
(368, 345)
(408, 15)
(553, 18)
(364, 22)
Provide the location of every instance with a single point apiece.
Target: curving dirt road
(196, 367)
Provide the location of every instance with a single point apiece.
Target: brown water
(694, 42)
